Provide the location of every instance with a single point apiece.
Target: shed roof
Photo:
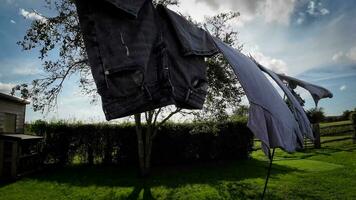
(16, 136)
(13, 99)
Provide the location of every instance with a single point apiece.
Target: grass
(324, 124)
(327, 173)
(327, 129)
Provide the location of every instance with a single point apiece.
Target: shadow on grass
(168, 176)
(225, 177)
(230, 180)
(147, 194)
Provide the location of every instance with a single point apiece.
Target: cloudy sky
(313, 40)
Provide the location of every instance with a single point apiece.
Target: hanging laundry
(316, 91)
(270, 119)
(294, 105)
(143, 57)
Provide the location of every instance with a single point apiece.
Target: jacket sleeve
(193, 40)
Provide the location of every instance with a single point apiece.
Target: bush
(175, 143)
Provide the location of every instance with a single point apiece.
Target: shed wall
(13, 108)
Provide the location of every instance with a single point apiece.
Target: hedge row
(175, 143)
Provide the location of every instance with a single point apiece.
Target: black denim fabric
(192, 40)
(143, 57)
(130, 6)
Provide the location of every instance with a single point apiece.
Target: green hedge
(353, 117)
(65, 143)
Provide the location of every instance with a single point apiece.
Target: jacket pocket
(200, 85)
(125, 81)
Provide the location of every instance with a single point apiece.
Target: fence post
(316, 131)
(353, 119)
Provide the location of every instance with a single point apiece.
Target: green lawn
(324, 124)
(327, 173)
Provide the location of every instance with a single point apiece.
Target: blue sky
(312, 40)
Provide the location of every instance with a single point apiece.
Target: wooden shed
(12, 114)
(19, 153)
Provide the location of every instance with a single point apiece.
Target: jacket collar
(132, 7)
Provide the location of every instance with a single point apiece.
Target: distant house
(12, 114)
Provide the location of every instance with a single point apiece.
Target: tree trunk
(151, 131)
(316, 131)
(140, 145)
(145, 140)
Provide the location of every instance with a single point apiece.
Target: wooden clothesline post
(353, 119)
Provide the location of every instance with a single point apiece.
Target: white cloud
(352, 54)
(12, 21)
(311, 8)
(84, 111)
(338, 56)
(343, 87)
(324, 11)
(341, 56)
(316, 9)
(20, 67)
(300, 20)
(26, 69)
(276, 65)
(278, 11)
(189, 8)
(32, 15)
(243, 19)
(6, 87)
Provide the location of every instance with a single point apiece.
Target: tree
(62, 33)
(224, 91)
(346, 115)
(242, 111)
(316, 114)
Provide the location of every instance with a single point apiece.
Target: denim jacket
(143, 57)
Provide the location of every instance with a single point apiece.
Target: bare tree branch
(156, 116)
(169, 116)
